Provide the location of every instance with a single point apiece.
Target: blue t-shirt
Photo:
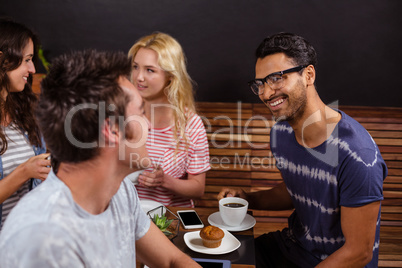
(346, 170)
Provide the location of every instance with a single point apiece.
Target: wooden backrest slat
(392, 156)
(393, 179)
(394, 172)
(382, 126)
(386, 134)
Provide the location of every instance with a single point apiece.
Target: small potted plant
(37, 77)
(166, 221)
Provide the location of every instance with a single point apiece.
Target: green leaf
(162, 222)
(42, 58)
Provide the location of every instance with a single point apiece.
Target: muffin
(211, 236)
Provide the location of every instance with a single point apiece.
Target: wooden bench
(238, 135)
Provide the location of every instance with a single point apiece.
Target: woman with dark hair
(22, 151)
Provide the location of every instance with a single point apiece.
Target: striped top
(175, 162)
(347, 170)
(18, 151)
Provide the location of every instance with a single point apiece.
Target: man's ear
(111, 132)
(310, 75)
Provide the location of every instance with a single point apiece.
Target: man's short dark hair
(80, 91)
(293, 46)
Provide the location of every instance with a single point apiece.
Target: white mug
(233, 216)
(134, 176)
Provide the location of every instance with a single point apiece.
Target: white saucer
(148, 205)
(194, 242)
(216, 220)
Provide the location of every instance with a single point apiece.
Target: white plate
(148, 205)
(216, 220)
(194, 242)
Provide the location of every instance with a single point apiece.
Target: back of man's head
(80, 91)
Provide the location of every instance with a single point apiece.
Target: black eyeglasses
(273, 80)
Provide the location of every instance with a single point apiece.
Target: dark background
(358, 41)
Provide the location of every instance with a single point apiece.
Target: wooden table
(243, 257)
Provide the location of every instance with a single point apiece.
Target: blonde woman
(177, 142)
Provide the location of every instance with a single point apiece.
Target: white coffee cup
(233, 216)
(134, 176)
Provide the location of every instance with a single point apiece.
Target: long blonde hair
(172, 60)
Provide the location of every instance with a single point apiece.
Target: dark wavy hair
(76, 88)
(18, 106)
(293, 46)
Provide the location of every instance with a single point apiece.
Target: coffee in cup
(233, 210)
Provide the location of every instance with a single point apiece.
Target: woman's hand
(151, 179)
(37, 167)
(191, 187)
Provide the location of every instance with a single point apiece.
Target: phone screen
(190, 218)
(210, 264)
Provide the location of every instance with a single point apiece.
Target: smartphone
(190, 219)
(212, 263)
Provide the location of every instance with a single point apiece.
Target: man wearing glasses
(332, 169)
